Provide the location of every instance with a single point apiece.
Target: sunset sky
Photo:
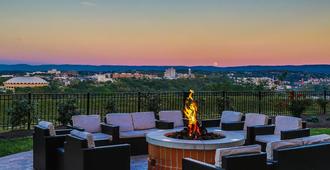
(165, 32)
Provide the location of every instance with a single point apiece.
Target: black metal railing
(210, 103)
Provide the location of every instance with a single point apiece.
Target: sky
(165, 32)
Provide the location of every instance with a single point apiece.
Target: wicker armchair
(45, 141)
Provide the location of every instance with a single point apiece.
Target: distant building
(185, 76)
(7, 76)
(133, 75)
(18, 82)
(102, 77)
(54, 71)
(170, 73)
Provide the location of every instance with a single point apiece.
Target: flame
(190, 111)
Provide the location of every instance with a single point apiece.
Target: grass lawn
(317, 131)
(11, 146)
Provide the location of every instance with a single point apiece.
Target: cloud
(88, 3)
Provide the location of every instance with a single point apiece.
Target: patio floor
(23, 161)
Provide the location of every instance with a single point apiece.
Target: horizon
(172, 33)
(106, 65)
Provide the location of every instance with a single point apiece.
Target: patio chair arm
(232, 126)
(304, 124)
(111, 156)
(292, 134)
(63, 131)
(253, 131)
(54, 141)
(237, 161)
(269, 121)
(111, 130)
(75, 128)
(164, 125)
(211, 123)
(192, 164)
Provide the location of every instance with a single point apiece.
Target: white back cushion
(284, 123)
(174, 116)
(123, 120)
(254, 119)
(143, 120)
(281, 145)
(49, 126)
(235, 151)
(91, 123)
(316, 139)
(231, 116)
(84, 135)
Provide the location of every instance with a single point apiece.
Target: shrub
(312, 119)
(66, 110)
(322, 103)
(19, 113)
(298, 104)
(224, 103)
(280, 106)
(111, 107)
(154, 103)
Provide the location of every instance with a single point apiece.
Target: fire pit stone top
(159, 138)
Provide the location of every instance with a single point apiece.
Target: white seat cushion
(101, 136)
(241, 132)
(315, 139)
(49, 126)
(143, 120)
(91, 123)
(281, 145)
(285, 123)
(132, 134)
(235, 151)
(231, 116)
(254, 119)
(123, 120)
(84, 135)
(150, 130)
(174, 116)
(268, 138)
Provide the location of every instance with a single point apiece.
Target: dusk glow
(165, 32)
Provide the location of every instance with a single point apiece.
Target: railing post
(139, 101)
(29, 114)
(259, 101)
(184, 96)
(325, 99)
(88, 103)
(224, 100)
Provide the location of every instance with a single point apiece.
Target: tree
(66, 110)
(111, 107)
(20, 112)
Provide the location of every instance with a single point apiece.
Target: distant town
(277, 81)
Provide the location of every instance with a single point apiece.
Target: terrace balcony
(47, 107)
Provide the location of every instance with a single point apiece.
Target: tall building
(170, 73)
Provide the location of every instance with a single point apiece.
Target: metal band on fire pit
(159, 138)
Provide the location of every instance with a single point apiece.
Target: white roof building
(25, 82)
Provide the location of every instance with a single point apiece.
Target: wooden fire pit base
(163, 158)
(166, 153)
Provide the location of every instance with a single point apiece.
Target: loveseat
(133, 128)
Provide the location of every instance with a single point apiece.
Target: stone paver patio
(23, 161)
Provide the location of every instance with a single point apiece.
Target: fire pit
(168, 147)
(167, 153)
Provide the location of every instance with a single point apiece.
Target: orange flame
(190, 111)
